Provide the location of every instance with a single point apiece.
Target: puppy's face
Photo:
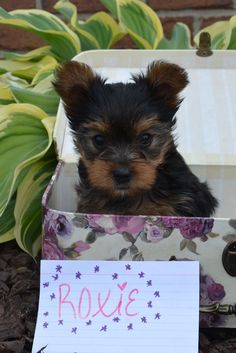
(122, 131)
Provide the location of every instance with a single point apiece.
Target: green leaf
(231, 35)
(141, 22)
(87, 41)
(42, 95)
(69, 11)
(180, 38)
(48, 101)
(229, 237)
(45, 72)
(103, 28)
(25, 70)
(192, 246)
(122, 253)
(7, 221)
(28, 209)
(128, 237)
(80, 221)
(183, 244)
(220, 33)
(99, 31)
(138, 257)
(64, 42)
(33, 55)
(25, 137)
(91, 237)
(133, 250)
(213, 235)
(111, 5)
(6, 96)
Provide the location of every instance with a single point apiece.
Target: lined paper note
(117, 306)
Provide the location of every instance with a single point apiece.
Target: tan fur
(167, 79)
(99, 126)
(145, 124)
(70, 76)
(100, 174)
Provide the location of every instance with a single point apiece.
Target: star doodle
(115, 276)
(149, 283)
(73, 330)
(55, 277)
(46, 313)
(157, 316)
(60, 322)
(130, 327)
(42, 349)
(104, 328)
(143, 319)
(58, 268)
(157, 294)
(88, 323)
(149, 304)
(141, 274)
(78, 275)
(128, 267)
(52, 296)
(45, 324)
(96, 269)
(46, 284)
(116, 319)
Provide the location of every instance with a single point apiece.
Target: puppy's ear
(166, 81)
(73, 82)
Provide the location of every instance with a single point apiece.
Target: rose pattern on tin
(71, 236)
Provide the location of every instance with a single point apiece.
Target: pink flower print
(130, 224)
(116, 224)
(173, 222)
(56, 224)
(190, 227)
(154, 232)
(196, 227)
(51, 250)
(101, 223)
(216, 292)
(80, 246)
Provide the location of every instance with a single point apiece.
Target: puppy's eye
(99, 141)
(145, 140)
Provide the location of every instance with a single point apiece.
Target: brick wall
(195, 13)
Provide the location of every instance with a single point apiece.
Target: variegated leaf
(28, 209)
(25, 137)
(7, 221)
(25, 70)
(141, 22)
(111, 5)
(223, 34)
(33, 55)
(103, 28)
(180, 38)
(63, 41)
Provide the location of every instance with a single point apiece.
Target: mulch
(19, 294)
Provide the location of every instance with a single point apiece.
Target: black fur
(122, 107)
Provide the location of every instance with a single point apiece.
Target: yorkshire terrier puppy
(129, 162)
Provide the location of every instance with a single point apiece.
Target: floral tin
(206, 131)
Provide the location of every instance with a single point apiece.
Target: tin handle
(223, 309)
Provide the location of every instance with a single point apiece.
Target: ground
(19, 293)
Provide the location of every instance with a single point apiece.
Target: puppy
(124, 133)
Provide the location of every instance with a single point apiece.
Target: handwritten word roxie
(92, 304)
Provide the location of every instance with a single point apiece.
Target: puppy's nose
(122, 175)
